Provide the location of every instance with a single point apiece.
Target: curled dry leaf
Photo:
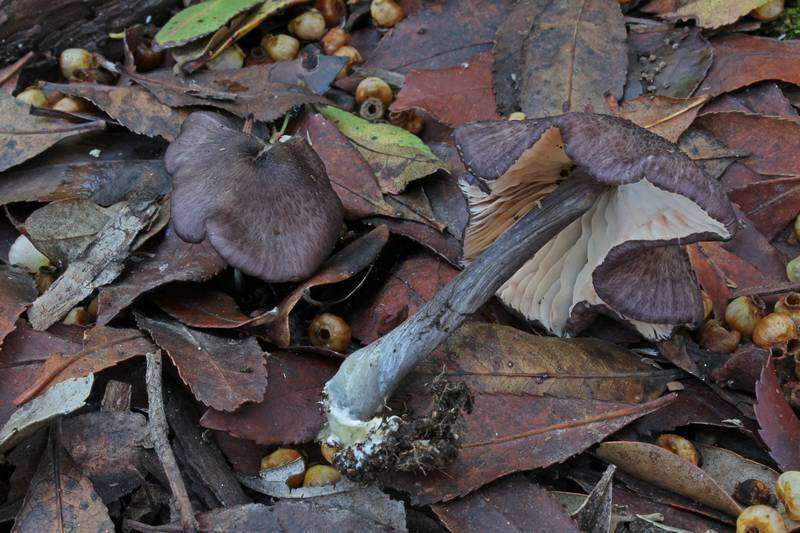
(61, 399)
(171, 259)
(289, 412)
(17, 291)
(396, 156)
(574, 55)
(61, 498)
(667, 470)
(287, 242)
(102, 348)
(222, 373)
(454, 95)
(595, 514)
(516, 501)
(132, 106)
(24, 135)
(780, 428)
(712, 14)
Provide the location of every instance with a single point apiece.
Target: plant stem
(369, 376)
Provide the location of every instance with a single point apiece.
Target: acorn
(335, 39)
(769, 11)
(386, 13)
(329, 331)
(680, 446)
(333, 11)
(281, 47)
(309, 26)
(788, 490)
(793, 270)
(718, 339)
(743, 312)
(230, 59)
(70, 104)
(33, 96)
(517, 115)
(78, 316)
(353, 58)
(761, 519)
(145, 58)
(774, 330)
(280, 457)
(408, 120)
(321, 475)
(753, 492)
(328, 451)
(75, 63)
(374, 87)
(790, 304)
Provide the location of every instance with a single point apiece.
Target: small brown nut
(230, 59)
(386, 13)
(335, 39)
(793, 270)
(718, 339)
(753, 492)
(33, 96)
(680, 446)
(517, 115)
(328, 451)
(310, 26)
(281, 47)
(788, 490)
(790, 304)
(329, 331)
(70, 104)
(408, 120)
(760, 519)
(280, 457)
(145, 57)
(353, 58)
(75, 63)
(774, 330)
(77, 316)
(769, 11)
(333, 11)
(743, 313)
(321, 475)
(374, 87)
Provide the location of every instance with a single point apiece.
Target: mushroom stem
(370, 375)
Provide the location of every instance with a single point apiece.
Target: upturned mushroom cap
(624, 257)
(267, 209)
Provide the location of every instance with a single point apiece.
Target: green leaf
(395, 156)
(200, 20)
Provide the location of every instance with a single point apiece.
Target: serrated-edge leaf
(200, 20)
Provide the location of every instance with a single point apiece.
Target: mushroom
(622, 257)
(267, 209)
(588, 203)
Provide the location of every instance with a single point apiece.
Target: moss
(786, 27)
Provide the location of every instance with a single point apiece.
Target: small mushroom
(623, 256)
(268, 210)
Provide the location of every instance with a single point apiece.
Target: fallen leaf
(681, 58)
(17, 291)
(514, 502)
(729, 469)
(574, 55)
(61, 498)
(742, 369)
(712, 14)
(99, 265)
(22, 355)
(289, 412)
(61, 399)
(669, 471)
(764, 98)
(170, 260)
(102, 348)
(454, 95)
(200, 307)
(442, 244)
(741, 60)
(779, 426)
(110, 448)
(128, 166)
(396, 156)
(132, 106)
(663, 115)
(710, 155)
(595, 514)
(770, 204)
(243, 92)
(221, 372)
(440, 36)
(24, 135)
(202, 19)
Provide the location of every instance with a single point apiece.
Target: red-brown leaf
(17, 291)
(780, 428)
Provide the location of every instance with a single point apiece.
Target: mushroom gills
(559, 276)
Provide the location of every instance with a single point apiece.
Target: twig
(158, 432)
(9, 72)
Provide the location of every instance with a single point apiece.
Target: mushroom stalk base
(370, 375)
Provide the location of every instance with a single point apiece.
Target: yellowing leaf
(716, 13)
(200, 20)
(396, 156)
